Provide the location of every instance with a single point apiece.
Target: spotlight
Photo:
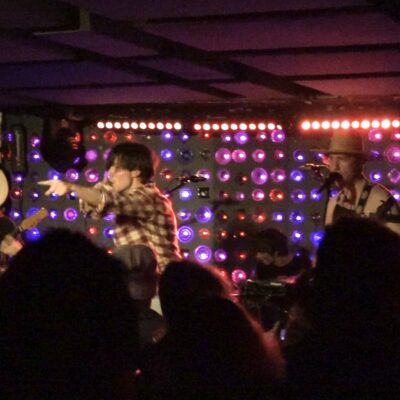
(223, 156)
(184, 214)
(204, 215)
(203, 253)
(239, 156)
(220, 255)
(222, 216)
(258, 195)
(238, 276)
(259, 176)
(222, 234)
(185, 234)
(223, 175)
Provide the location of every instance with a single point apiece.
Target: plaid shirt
(142, 216)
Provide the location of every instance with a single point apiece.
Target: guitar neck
(29, 222)
(17, 230)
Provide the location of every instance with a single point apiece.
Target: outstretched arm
(60, 188)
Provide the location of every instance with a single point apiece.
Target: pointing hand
(55, 186)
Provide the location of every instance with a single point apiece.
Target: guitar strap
(359, 210)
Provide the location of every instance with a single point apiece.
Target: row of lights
(138, 125)
(348, 124)
(252, 126)
(206, 126)
(242, 126)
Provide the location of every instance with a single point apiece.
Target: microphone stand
(170, 191)
(320, 176)
(328, 196)
(182, 182)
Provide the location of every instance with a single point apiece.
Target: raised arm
(60, 188)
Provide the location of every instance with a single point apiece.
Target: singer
(357, 195)
(143, 215)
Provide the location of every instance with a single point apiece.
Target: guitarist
(357, 195)
(9, 246)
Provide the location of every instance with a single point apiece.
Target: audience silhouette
(213, 348)
(68, 327)
(353, 346)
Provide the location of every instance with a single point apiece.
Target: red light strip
(345, 124)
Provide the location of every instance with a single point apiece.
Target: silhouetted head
(221, 351)
(183, 282)
(357, 275)
(68, 324)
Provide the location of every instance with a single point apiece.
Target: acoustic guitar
(3, 187)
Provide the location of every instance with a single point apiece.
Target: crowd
(76, 323)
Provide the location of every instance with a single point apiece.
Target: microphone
(313, 167)
(191, 178)
(332, 177)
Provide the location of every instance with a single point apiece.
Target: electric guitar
(7, 227)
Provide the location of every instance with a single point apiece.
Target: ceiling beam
(314, 50)
(309, 77)
(125, 32)
(262, 15)
(282, 51)
(356, 75)
(304, 77)
(127, 66)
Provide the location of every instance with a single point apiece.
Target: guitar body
(3, 187)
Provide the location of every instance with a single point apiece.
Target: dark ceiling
(121, 56)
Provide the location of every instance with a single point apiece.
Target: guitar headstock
(31, 221)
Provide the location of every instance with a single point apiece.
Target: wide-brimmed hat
(345, 143)
(141, 263)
